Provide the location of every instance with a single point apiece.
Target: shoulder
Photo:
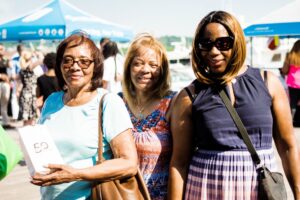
(55, 96)
(109, 98)
(53, 100)
(170, 95)
(113, 99)
(182, 99)
(15, 57)
(274, 84)
(53, 103)
(108, 61)
(42, 77)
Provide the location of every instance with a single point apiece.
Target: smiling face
(145, 69)
(214, 58)
(75, 76)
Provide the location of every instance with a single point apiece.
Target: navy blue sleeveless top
(214, 126)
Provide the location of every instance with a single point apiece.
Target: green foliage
(167, 41)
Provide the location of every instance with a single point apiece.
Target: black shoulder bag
(270, 184)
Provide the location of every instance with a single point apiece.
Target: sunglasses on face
(83, 63)
(221, 43)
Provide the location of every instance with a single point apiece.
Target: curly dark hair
(49, 60)
(74, 41)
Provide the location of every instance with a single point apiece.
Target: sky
(159, 17)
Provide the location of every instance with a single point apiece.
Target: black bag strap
(100, 131)
(266, 78)
(188, 91)
(239, 124)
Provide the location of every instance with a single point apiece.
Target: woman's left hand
(58, 174)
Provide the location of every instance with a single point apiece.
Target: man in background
(16, 85)
(4, 87)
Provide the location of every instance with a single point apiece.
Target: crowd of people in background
(20, 88)
(185, 143)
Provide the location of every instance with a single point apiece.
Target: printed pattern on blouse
(154, 145)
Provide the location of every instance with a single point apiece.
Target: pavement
(16, 185)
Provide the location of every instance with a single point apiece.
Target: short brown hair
(238, 51)
(162, 87)
(77, 40)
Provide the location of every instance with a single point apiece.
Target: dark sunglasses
(83, 63)
(221, 43)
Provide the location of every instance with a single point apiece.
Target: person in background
(47, 83)
(4, 88)
(113, 68)
(147, 95)
(291, 69)
(221, 166)
(71, 115)
(15, 82)
(39, 70)
(103, 41)
(28, 104)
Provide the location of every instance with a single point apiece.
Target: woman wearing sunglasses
(72, 118)
(210, 159)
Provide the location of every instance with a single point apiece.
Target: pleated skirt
(225, 175)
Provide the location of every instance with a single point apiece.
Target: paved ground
(16, 185)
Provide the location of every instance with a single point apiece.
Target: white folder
(39, 148)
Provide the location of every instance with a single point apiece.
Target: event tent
(58, 19)
(282, 22)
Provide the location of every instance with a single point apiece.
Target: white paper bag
(39, 148)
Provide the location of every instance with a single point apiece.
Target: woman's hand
(58, 174)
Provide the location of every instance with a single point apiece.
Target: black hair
(49, 60)
(110, 49)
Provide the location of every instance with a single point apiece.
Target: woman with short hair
(71, 116)
(210, 159)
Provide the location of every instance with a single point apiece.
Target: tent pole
(251, 51)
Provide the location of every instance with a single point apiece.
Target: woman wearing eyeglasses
(72, 119)
(210, 160)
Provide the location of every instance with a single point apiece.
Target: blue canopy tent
(57, 20)
(282, 22)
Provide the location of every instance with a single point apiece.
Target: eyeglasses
(221, 43)
(83, 63)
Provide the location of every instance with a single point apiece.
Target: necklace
(141, 109)
(140, 114)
